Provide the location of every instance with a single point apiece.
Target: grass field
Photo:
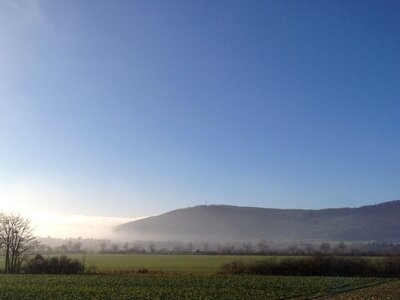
(187, 277)
(165, 263)
(174, 286)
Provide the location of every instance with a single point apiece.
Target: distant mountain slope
(221, 222)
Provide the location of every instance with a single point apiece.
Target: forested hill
(232, 223)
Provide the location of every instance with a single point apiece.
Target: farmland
(186, 277)
(149, 286)
(196, 264)
(389, 290)
(164, 263)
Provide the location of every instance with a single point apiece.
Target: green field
(186, 277)
(174, 286)
(164, 263)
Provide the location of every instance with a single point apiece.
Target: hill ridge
(226, 222)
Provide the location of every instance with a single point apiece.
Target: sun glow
(64, 226)
(43, 203)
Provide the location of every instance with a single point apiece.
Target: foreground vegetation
(389, 290)
(152, 286)
(318, 266)
(177, 282)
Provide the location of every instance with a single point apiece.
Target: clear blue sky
(133, 108)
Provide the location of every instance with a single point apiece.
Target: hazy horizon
(112, 111)
(97, 227)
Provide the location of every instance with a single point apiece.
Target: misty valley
(199, 149)
(254, 245)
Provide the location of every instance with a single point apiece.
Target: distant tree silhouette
(77, 246)
(152, 248)
(325, 248)
(115, 248)
(247, 247)
(190, 248)
(262, 246)
(64, 248)
(341, 247)
(226, 248)
(103, 246)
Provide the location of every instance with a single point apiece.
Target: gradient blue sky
(134, 108)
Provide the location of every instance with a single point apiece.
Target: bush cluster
(318, 266)
(53, 265)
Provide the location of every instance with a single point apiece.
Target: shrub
(318, 266)
(235, 267)
(53, 265)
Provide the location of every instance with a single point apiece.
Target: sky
(116, 110)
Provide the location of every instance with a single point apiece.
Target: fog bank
(65, 226)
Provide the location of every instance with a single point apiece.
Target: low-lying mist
(65, 226)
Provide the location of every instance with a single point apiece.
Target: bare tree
(152, 248)
(206, 247)
(247, 247)
(189, 247)
(77, 246)
(115, 248)
(178, 248)
(126, 247)
(70, 243)
(262, 246)
(103, 246)
(341, 247)
(137, 249)
(293, 250)
(325, 248)
(64, 248)
(16, 241)
(226, 248)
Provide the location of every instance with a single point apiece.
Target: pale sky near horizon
(125, 109)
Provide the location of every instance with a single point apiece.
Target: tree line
(257, 247)
(319, 265)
